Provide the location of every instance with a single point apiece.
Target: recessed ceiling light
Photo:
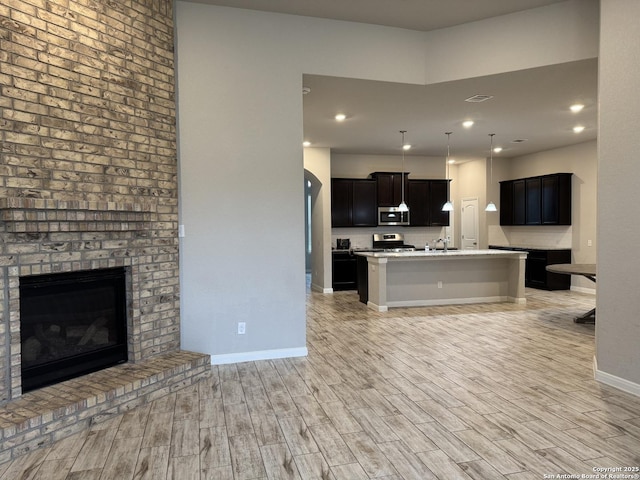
(578, 129)
(306, 143)
(467, 123)
(406, 146)
(452, 161)
(497, 150)
(340, 117)
(576, 108)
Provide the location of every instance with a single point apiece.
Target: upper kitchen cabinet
(556, 199)
(417, 201)
(425, 199)
(533, 201)
(438, 196)
(541, 200)
(353, 203)
(506, 203)
(389, 185)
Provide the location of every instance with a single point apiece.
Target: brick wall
(88, 159)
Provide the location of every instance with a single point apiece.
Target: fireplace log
(31, 349)
(51, 336)
(92, 332)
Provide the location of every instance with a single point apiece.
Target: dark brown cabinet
(506, 203)
(418, 203)
(438, 196)
(519, 201)
(341, 202)
(389, 186)
(536, 275)
(533, 204)
(556, 199)
(344, 270)
(425, 199)
(541, 200)
(353, 203)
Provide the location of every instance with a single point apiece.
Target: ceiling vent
(519, 140)
(478, 98)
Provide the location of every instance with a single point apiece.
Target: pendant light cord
(491, 207)
(491, 158)
(446, 168)
(402, 177)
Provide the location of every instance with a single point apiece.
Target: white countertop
(440, 253)
(530, 247)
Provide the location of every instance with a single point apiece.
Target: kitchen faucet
(445, 242)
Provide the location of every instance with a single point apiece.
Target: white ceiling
(531, 105)
(421, 15)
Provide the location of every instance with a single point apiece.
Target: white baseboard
(377, 308)
(258, 355)
(613, 381)
(318, 288)
(452, 301)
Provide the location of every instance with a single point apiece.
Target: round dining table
(587, 270)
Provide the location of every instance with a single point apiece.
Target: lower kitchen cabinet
(344, 270)
(363, 279)
(536, 275)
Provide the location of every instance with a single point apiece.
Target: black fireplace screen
(71, 324)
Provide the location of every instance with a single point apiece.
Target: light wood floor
(481, 391)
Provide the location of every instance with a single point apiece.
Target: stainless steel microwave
(392, 216)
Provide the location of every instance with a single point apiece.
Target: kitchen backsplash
(526, 236)
(532, 236)
(363, 237)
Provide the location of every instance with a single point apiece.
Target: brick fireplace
(88, 174)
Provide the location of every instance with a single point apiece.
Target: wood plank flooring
(494, 391)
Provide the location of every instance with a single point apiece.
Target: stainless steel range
(391, 242)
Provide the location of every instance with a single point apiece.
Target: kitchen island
(422, 278)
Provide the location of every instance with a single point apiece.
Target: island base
(429, 280)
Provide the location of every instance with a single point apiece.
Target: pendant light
(491, 207)
(448, 206)
(403, 206)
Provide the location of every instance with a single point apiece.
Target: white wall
(618, 302)
(240, 133)
(534, 38)
(317, 161)
(360, 166)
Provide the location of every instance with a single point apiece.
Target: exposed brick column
(88, 170)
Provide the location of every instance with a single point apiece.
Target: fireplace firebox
(71, 324)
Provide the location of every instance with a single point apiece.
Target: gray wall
(240, 134)
(317, 164)
(618, 302)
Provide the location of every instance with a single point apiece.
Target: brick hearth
(43, 416)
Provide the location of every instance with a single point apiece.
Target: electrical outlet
(242, 328)
(589, 243)
(439, 284)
